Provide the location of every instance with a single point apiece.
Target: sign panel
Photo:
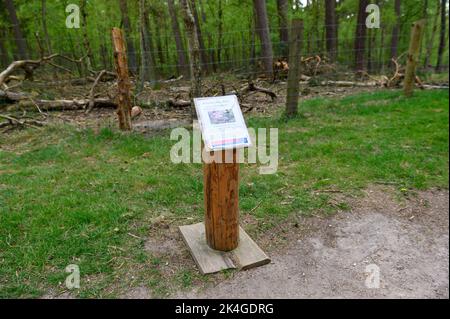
(222, 123)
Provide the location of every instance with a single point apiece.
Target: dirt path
(407, 240)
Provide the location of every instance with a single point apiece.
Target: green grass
(73, 197)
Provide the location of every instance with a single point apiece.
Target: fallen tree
(28, 67)
(26, 101)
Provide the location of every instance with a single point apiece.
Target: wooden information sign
(220, 243)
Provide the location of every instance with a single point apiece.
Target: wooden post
(124, 85)
(413, 55)
(221, 191)
(293, 89)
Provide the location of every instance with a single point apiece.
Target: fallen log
(344, 83)
(26, 101)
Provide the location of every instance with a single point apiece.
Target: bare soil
(408, 239)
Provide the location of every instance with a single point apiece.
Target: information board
(222, 123)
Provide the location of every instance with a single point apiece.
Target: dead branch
(28, 66)
(12, 121)
(92, 92)
(251, 87)
(178, 103)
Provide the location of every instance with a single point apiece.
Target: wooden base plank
(247, 255)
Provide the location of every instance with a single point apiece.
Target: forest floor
(109, 202)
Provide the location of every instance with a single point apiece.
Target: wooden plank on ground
(207, 259)
(247, 255)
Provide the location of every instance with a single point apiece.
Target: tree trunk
(412, 58)
(128, 36)
(264, 34)
(123, 80)
(360, 37)
(432, 37)
(157, 21)
(3, 52)
(44, 26)
(87, 46)
(283, 9)
(183, 66)
(147, 72)
(18, 35)
(203, 53)
(396, 30)
(194, 54)
(331, 29)
(293, 90)
(442, 35)
(220, 34)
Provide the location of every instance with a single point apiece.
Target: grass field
(74, 197)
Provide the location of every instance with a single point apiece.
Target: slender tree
(19, 38)
(183, 66)
(264, 35)
(360, 37)
(203, 53)
(220, 33)
(147, 71)
(442, 40)
(3, 52)
(331, 28)
(432, 37)
(131, 51)
(158, 19)
(86, 43)
(283, 9)
(396, 30)
(44, 26)
(194, 53)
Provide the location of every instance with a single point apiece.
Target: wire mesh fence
(238, 53)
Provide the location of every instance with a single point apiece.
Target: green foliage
(238, 29)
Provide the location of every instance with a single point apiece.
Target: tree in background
(90, 62)
(194, 53)
(203, 53)
(331, 29)
(360, 36)
(396, 30)
(183, 66)
(264, 35)
(131, 51)
(283, 9)
(19, 39)
(442, 40)
(432, 37)
(44, 26)
(147, 71)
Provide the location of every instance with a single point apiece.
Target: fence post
(124, 85)
(413, 56)
(293, 89)
(221, 191)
